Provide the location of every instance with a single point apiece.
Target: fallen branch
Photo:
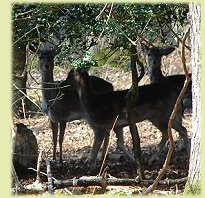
(101, 181)
(93, 181)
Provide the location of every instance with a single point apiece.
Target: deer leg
(177, 125)
(160, 145)
(183, 134)
(120, 143)
(98, 138)
(61, 136)
(54, 127)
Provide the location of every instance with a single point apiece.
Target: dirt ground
(77, 145)
(79, 137)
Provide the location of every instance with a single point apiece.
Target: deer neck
(86, 94)
(47, 84)
(156, 74)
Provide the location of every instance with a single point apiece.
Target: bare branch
(106, 151)
(27, 96)
(98, 16)
(106, 22)
(37, 26)
(175, 34)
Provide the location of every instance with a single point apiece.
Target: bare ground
(77, 145)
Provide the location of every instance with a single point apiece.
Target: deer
(154, 56)
(60, 100)
(155, 103)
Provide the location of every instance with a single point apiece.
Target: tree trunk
(131, 97)
(25, 149)
(19, 79)
(194, 176)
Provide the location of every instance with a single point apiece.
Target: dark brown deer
(60, 100)
(155, 103)
(154, 57)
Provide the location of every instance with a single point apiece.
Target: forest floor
(79, 137)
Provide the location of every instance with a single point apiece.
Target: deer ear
(144, 47)
(166, 51)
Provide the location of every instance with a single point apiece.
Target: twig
(25, 13)
(142, 72)
(27, 96)
(38, 178)
(171, 120)
(21, 77)
(44, 88)
(102, 172)
(37, 26)
(106, 22)
(106, 152)
(175, 34)
(118, 20)
(29, 61)
(42, 173)
(183, 54)
(98, 16)
(23, 107)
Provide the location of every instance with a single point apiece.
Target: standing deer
(61, 101)
(154, 56)
(155, 103)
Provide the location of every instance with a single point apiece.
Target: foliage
(194, 189)
(85, 62)
(75, 28)
(114, 58)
